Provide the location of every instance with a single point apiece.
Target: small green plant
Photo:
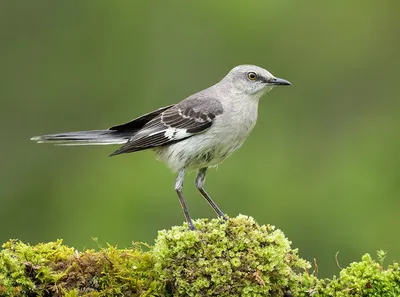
(381, 255)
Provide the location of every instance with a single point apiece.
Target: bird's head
(253, 80)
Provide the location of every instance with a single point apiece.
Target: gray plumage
(199, 132)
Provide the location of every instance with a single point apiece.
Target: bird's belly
(209, 157)
(198, 151)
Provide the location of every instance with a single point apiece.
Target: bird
(197, 133)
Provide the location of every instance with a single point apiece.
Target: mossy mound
(234, 258)
(367, 278)
(52, 269)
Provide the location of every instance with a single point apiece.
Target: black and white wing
(190, 117)
(138, 123)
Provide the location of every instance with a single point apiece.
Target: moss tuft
(233, 258)
(365, 278)
(53, 269)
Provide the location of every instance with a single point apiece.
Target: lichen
(233, 258)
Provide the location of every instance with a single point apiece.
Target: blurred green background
(322, 163)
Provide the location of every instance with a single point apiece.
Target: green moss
(53, 269)
(365, 278)
(234, 258)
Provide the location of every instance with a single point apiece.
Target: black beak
(279, 82)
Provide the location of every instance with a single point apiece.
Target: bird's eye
(251, 75)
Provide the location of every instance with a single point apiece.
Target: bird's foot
(191, 226)
(224, 217)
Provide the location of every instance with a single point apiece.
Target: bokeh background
(322, 164)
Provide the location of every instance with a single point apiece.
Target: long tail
(93, 137)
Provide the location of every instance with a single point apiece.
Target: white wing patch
(173, 133)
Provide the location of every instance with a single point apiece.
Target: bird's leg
(178, 189)
(200, 179)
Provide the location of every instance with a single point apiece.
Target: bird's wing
(138, 123)
(190, 117)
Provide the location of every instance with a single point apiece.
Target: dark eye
(252, 75)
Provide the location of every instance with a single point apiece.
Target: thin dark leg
(178, 189)
(200, 179)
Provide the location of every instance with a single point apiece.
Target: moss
(53, 269)
(234, 258)
(365, 278)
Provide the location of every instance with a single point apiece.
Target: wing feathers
(139, 122)
(174, 124)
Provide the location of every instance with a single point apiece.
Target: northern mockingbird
(197, 133)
